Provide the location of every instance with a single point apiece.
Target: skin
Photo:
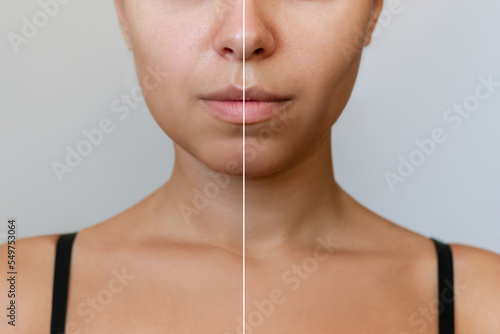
(187, 269)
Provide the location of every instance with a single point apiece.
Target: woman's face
(305, 50)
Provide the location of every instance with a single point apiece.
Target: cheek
(175, 49)
(166, 53)
(162, 45)
(324, 82)
(329, 60)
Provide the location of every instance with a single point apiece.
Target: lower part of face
(306, 50)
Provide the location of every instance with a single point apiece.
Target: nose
(256, 34)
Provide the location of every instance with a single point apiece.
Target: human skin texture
(308, 51)
(314, 259)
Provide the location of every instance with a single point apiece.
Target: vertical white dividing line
(244, 162)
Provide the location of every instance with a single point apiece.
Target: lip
(260, 105)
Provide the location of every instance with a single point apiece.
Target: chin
(257, 163)
(223, 160)
(262, 163)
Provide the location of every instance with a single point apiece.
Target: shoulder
(477, 289)
(31, 287)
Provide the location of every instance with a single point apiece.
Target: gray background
(425, 57)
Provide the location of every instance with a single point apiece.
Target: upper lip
(254, 93)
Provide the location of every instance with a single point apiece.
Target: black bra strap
(445, 288)
(61, 282)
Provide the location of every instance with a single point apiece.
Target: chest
(134, 302)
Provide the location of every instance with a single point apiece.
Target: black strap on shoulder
(446, 291)
(61, 282)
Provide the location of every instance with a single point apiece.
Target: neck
(294, 205)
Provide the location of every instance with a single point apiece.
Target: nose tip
(258, 42)
(244, 41)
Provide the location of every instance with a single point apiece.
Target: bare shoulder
(477, 289)
(28, 292)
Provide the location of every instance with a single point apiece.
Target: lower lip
(255, 111)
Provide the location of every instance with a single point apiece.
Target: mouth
(255, 106)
